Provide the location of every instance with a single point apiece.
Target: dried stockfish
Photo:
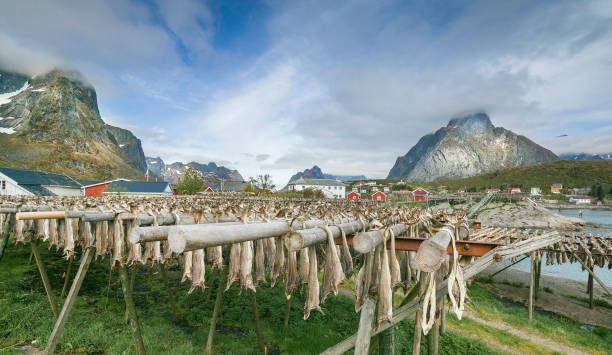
(187, 265)
(279, 261)
(363, 281)
(385, 292)
(260, 262)
(118, 241)
(347, 260)
(198, 268)
(217, 257)
(312, 300)
(19, 229)
(86, 237)
(234, 265)
(333, 274)
(304, 266)
(270, 251)
(291, 277)
(53, 235)
(246, 266)
(396, 278)
(376, 270)
(68, 238)
(134, 249)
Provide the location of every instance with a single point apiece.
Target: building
(580, 200)
(582, 191)
(95, 188)
(556, 188)
(420, 194)
(138, 188)
(208, 189)
(493, 190)
(353, 195)
(536, 191)
(330, 188)
(378, 196)
(514, 190)
(37, 183)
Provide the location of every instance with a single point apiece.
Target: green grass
(548, 290)
(96, 324)
(596, 301)
(562, 329)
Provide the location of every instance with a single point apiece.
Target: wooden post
(287, 311)
(213, 321)
(210, 283)
(260, 342)
(128, 296)
(67, 277)
(531, 284)
(433, 338)
(537, 277)
(162, 269)
(590, 285)
(364, 333)
(418, 326)
(126, 316)
(603, 285)
(443, 317)
(69, 303)
(386, 342)
(44, 277)
(4, 236)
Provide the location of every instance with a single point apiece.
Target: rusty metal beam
(464, 247)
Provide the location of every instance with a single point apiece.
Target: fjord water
(574, 271)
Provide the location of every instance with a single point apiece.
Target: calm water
(574, 271)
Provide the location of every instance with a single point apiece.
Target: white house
(330, 188)
(580, 200)
(536, 191)
(37, 183)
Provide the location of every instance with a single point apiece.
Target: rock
(468, 146)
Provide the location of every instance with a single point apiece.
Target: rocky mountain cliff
(585, 156)
(211, 173)
(468, 146)
(51, 122)
(316, 173)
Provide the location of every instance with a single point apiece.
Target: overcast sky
(278, 86)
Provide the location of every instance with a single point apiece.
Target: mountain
(51, 122)
(585, 156)
(211, 172)
(468, 146)
(316, 173)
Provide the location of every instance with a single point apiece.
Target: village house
(353, 195)
(536, 191)
(37, 183)
(378, 196)
(493, 190)
(420, 194)
(556, 188)
(330, 188)
(138, 188)
(514, 190)
(580, 200)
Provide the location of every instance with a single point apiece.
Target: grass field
(97, 326)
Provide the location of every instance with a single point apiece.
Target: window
(3, 183)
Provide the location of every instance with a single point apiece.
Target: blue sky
(278, 86)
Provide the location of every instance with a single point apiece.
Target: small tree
(262, 182)
(600, 193)
(190, 183)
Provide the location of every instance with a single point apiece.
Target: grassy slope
(568, 172)
(96, 324)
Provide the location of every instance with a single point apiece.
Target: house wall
(420, 198)
(333, 191)
(353, 196)
(64, 190)
(96, 190)
(12, 189)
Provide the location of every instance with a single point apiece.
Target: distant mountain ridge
(468, 146)
(585, 156)
(211, 173)
(316, 173)
(51, 122)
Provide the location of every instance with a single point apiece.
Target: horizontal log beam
(432, 251)
(365, 242)
(307, 237)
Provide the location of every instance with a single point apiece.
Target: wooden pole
(67, 277)
(4, 236)
(364, 333)
(537, 277)
(126, 316)
(131, 309)
(418, 326)
(210, 283)
(287, 311)
(162, 270)
(260, 341)
(531, 284)
(443, 317)
(44, 277)
(69, 303)
(593, 275)
(213, 321)
(590, 285)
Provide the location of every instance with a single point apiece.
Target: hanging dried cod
(291, 276)
(198, 270)
(385, 292)
(246, 266)
(234, 265)
(312, 301)
(279, 261)
(260, 262)
(396, 277)
(333, 274)
(187, 265)
(304, 266)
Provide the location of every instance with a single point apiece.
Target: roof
(316, 182)
(90, 182)
(378, 192)
(35, 177)
(38, 190)
(420, 191)
(137, 186)
(235, 185)
(557, 185)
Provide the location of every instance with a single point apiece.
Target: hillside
(568, 172)
(467, 146)
(51, 122)
(211, 173)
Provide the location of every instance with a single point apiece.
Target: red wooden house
(96, 188)
(353, 195)
(492, 190)
(379, 196)
(420, 194)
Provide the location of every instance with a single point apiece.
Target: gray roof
(35, 177)
(38, 190)
(137, 187)
(317, 182)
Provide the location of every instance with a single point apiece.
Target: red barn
(353, 196)
(420, 194)
(492, 190)
(379, 196)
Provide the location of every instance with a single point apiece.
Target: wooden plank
(364, 333)
(44, 277)
(4, 235)
(69, 303)
(131, 310)
(531, 284)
